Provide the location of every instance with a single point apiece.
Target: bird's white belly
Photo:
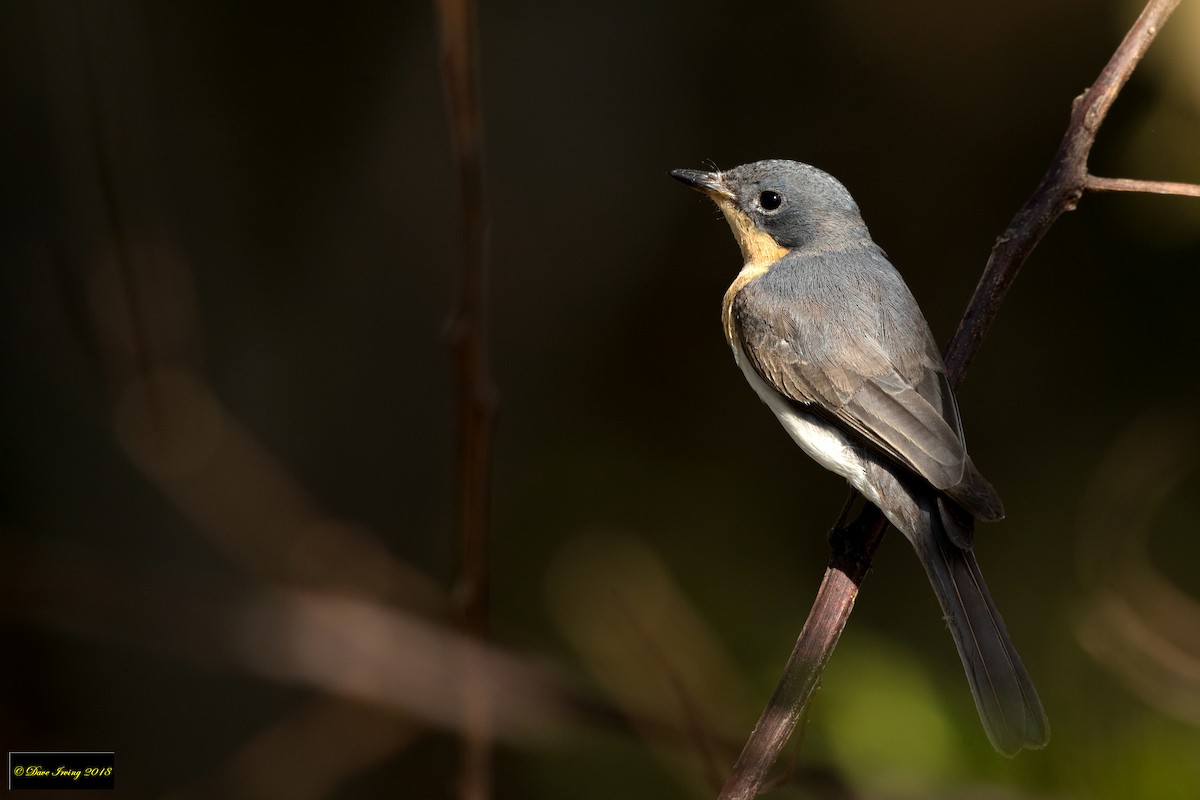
(824, 443)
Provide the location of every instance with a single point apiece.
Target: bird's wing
(910, 420)
(894, 416)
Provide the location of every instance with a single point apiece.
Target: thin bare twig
(1058, 192)
(476, 394)
(855, 545)
(1097, 184)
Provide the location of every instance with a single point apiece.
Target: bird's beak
(711, 183)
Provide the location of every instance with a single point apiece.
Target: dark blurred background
(230, 243)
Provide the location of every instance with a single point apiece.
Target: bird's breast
(749, 272)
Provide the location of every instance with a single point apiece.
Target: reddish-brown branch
(475, 389)
(855, 545)
(468, 330)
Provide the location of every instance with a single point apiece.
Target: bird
(830, 338)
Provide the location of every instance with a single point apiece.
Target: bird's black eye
(770, 201)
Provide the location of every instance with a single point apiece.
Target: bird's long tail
(1008, 704)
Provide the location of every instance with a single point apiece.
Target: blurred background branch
(475, 387)
(1136, 620)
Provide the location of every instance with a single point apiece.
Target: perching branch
(476, 393)
(854, 545)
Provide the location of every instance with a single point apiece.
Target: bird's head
(777, 206)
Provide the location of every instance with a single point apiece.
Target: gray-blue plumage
(831, 339)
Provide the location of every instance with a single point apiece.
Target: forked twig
(1059, 191)
(855, 545)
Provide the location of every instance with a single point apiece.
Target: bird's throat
(759, 251)
(758, 246)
